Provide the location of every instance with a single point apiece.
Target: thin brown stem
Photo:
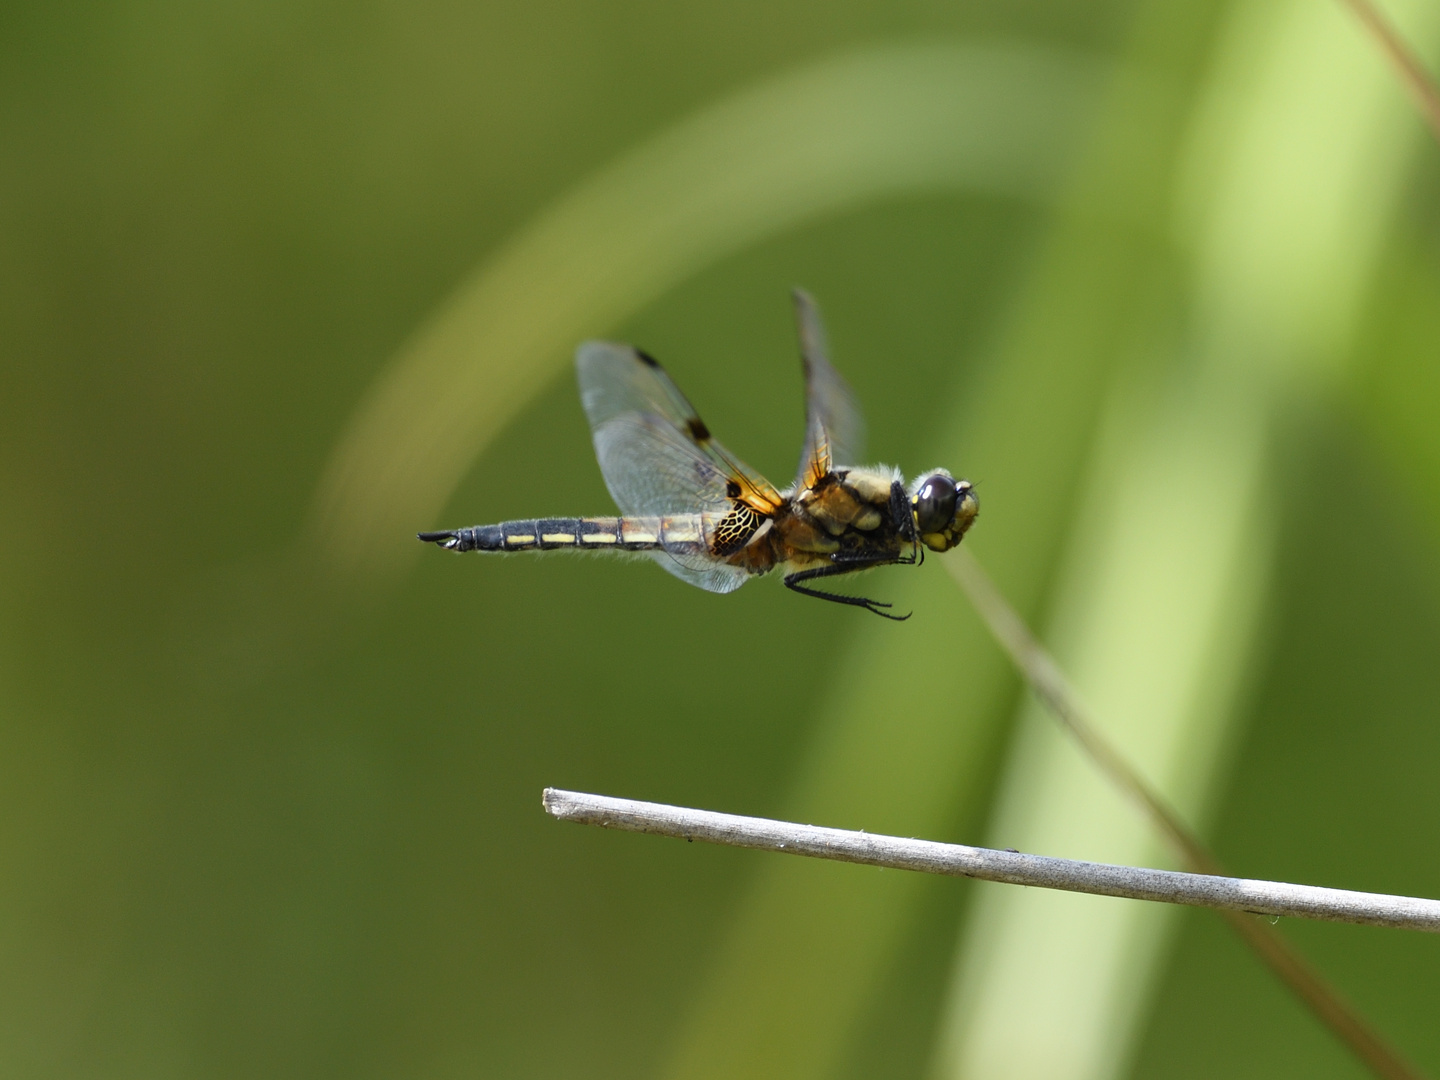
(1417, 81)
(1050, 685)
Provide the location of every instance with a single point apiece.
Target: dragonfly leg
(794, 582)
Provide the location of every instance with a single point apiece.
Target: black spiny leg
(904, 522)
(793, 581)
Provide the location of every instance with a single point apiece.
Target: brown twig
(1417, 80)
(1050, 685)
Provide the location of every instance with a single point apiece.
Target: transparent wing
(652, 470)
(834, 425)
(655, 452)
(706, 571)
(657, 456)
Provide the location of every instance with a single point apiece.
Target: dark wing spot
(732, 489)
(735, 530)
(646, 358)
(698, 431)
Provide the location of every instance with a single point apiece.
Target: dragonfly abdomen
(598, 534)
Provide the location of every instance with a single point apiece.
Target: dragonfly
(711, 520)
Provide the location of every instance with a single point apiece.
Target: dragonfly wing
(640, 421)
(652, 470)
(834, 424)
(706, 571)
(658, 459)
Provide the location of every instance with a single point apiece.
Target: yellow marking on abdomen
(558, 538)
(597, 538)
(681, 530)
(641, 531)
(519, 541)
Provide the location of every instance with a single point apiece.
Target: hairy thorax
(848, 514)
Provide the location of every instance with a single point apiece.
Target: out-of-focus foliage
(269, 800)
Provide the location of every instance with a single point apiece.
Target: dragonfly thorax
(847, 499)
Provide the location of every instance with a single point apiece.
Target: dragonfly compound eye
(934, 504)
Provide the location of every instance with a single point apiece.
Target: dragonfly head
(942, 508)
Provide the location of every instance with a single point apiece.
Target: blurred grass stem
(1244, 897)
(1418, 82)
(1049, 684)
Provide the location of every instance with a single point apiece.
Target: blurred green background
(281, 284)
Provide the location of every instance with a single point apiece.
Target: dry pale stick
(1012, 867)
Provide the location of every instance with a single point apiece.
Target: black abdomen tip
(480, 538)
